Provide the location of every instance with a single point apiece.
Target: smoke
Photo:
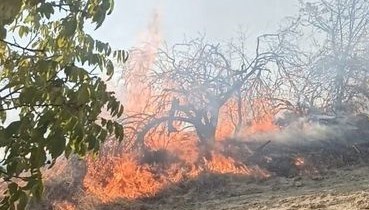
(306, 131)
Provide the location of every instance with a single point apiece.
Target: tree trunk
(206, 134)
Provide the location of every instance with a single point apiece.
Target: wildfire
(121, 177)
(229, 119)
(263, 124)
(225, 165)
(171, 157)
(110, 178)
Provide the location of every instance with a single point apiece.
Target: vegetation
(52, 92)
(50, 81)
(325, 56)
(190, 84)
(316, 64)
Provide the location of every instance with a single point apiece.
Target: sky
(218, 19)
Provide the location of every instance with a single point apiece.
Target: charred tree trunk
(206, 131)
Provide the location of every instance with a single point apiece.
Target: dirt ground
(344, 188)
(341, 189)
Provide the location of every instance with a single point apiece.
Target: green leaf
(38, 157)
(84, 94)
(37, 189)
(61, 42)
(23, 31)
(118, 131)
(50, 78)
(103, 134)
(46, 10)
(56, 144)
(99, 17)
(111, 7)
(121, 110)
(13, 188)
(2, 32)
(4, 141)
(109, 68)
(23, 201)
(70, 26)
(121, 56)
(12, 129)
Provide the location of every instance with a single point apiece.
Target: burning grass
(131, 177)
(122, 177)
(131, 180)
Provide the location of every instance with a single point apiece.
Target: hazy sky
(219, 19)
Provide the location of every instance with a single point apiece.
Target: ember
(299, 161)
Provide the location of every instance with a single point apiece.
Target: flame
(136, 89)
(263, 124)
(227, 120)
(299, 161)
(126, 175)
(121, 177)
(64, 205)
(305, 166)
(261, 120)
(224, 165)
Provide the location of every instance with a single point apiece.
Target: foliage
(49, 78)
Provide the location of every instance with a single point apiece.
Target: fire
(135, 89)
(64, 205)
(121, 177)
(261, 120)
(299, 161)
(227, 120)
(172, 156)
(110, 178)
(224, 165)
(305, 166)
(263, 124)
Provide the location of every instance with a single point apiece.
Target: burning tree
(190, 83)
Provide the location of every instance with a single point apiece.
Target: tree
(326, 55)
(189, 84)
(49, 78)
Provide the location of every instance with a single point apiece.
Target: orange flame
(120, 177)
(64, 205)
(224, 165)
(126, 176)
